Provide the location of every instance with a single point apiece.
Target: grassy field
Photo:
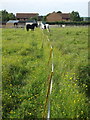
(25, 72)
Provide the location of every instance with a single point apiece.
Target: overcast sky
(44, 7)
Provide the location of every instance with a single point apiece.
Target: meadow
(25, 72)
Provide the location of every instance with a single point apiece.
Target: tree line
(5, 16)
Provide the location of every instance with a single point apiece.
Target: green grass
(25, 73)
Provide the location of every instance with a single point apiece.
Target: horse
(63, 26)
(45, 26)
(42, 26)
(15, 25)
(32, 27)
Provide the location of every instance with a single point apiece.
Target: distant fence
(57, 26)
(69, 23)
(21, 24)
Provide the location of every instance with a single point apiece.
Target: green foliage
(44, 18)
(34, 18)
(38, 18)
(11, 16)
(71, 73)
(74, 16)
(69, 23)
(25, 73)
(59, 12)
(7, 16)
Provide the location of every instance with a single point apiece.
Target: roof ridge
(27, 13)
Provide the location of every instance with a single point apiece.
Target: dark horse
(15, 24)
(28, 26)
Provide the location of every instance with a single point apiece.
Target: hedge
(69, 23)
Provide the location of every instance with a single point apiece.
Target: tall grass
(25, 73)
(69, 98)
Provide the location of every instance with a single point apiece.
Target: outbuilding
(54, 17)
(12, 23)
(25, 16)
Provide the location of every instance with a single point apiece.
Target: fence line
(50, 79)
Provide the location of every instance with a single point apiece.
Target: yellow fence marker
(51, 50)
(47, 95)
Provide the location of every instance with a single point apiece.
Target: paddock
(27, 67)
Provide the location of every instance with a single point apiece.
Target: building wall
(9, 25)
(25, 16)
(53, 17)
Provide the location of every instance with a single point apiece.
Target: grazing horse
(45, 26)
(63, 26)
(28, 26)
(42, 26)
(15, 24)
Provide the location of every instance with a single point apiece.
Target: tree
(11, 16)
(74, 16)
(34, 18)
(4, 15)
(44, 18)
(7, 16)
(59, 12)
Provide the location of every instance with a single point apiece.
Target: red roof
(26, 15)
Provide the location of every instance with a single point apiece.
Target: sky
(43, 7)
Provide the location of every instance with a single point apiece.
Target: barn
(12, 23)
(25, 16)
(54, 17)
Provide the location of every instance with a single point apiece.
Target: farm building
(86, 18)
(25, 16)
(12, 23)
(54, 17)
